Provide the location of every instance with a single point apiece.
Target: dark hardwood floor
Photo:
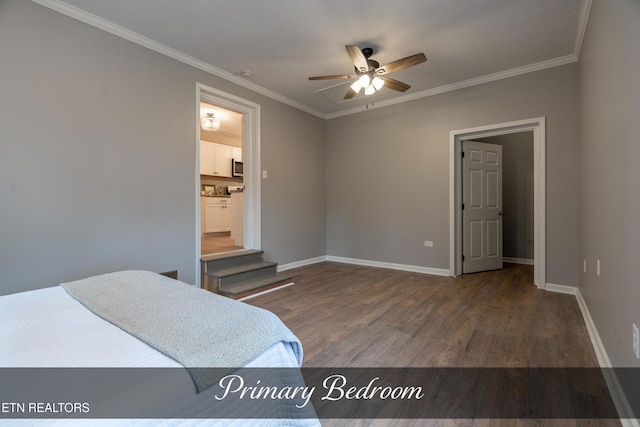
(217, 244)
(355, 316)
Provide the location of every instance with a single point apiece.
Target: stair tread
(228, 255)
(251, 284)
(243, 268)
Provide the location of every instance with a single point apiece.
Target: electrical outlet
(264, 174)
(636, 341)
(428, 243)
(598, 268)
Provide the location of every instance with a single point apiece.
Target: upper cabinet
(215, 159)
(207, 156)
(236, 154)
(222, 161)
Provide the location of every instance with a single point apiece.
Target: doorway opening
(247, 138)
(537, 127)
(221, 187)
(517, 200)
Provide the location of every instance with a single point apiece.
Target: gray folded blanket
(195, 327)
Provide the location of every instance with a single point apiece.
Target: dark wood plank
(354, 316)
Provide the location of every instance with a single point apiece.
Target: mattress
(47, 328)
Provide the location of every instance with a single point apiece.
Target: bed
(131, 321)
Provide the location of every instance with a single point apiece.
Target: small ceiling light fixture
(370, 85)
(210, 122)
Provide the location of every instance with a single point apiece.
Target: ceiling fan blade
(395, 84)
(358, 58)
(337, 76)
(401, 64)
(350, 94)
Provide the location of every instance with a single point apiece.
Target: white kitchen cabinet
(223, 160)
(213, 218)
(227, 215)
(216, 214)
(215, 159)
(207, 156)
(236, 154)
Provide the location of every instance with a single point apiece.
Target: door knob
(500, 213)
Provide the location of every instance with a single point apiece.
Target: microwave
(236, 168)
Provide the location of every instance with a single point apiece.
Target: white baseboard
(302, 263)
(365, 262)
(392, 266)
(524, 261)
(561, 289)
(617, 393)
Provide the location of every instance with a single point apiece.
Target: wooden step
(255, 268)
(247, 287)
(230, 259)
(240, 273)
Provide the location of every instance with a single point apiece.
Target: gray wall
(517, 193)
(293, 198)
(97, 157)
(395, 164)
(609, 176)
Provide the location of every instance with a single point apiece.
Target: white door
(481, 206)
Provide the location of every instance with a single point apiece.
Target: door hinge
(462, 258)
(463, 206)
(463, 154)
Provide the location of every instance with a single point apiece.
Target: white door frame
(537, 125)
(250, 155)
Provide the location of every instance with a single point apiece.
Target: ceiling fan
(369, 75)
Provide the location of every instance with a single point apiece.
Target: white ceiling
(282, 42)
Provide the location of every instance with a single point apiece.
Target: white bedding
(48, 328)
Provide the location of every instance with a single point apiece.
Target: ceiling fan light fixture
(377, 82)
(367, 72)
(364, 80)
(369, 90)
(210, 122)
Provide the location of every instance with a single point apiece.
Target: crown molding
(582, 27)
(141, 40)
(461, 85)
(103, 24)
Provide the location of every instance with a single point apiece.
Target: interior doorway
(518, 197)
(250, 145)
(537, 126)
(221, 180)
